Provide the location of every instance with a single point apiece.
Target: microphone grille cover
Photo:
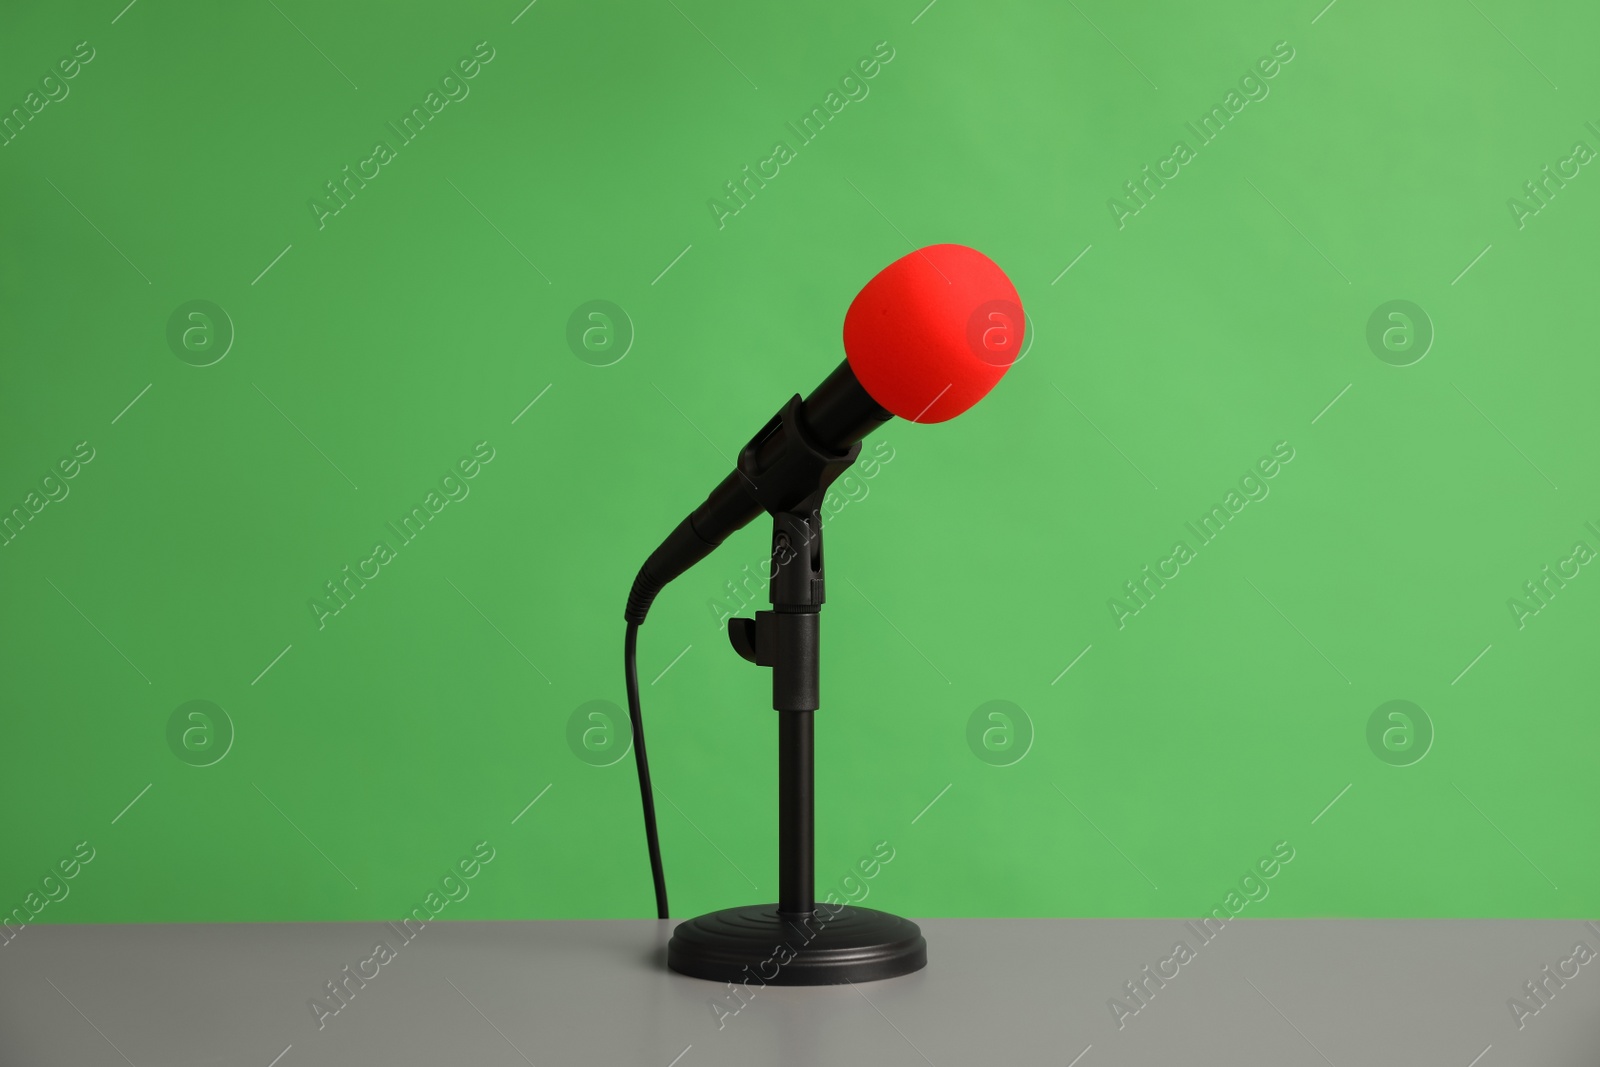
(933, 332)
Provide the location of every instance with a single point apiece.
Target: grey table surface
(996, 991)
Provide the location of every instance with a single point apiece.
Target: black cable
(631, 669)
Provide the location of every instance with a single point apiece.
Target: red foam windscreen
(933, 332)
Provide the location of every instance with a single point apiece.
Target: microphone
(924, 340)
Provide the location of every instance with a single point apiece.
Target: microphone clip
(784, 469)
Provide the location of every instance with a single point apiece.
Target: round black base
(832, 946)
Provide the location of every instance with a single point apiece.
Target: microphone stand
(795, 942)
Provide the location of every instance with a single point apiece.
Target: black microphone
(925, 339)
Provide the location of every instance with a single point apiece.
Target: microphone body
(805, 442)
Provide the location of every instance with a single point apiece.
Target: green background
(1225, 317)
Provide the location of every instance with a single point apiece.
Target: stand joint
(788, 638)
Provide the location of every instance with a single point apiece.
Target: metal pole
(796, 814)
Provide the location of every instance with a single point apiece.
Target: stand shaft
(796, 814)
(792, 943)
